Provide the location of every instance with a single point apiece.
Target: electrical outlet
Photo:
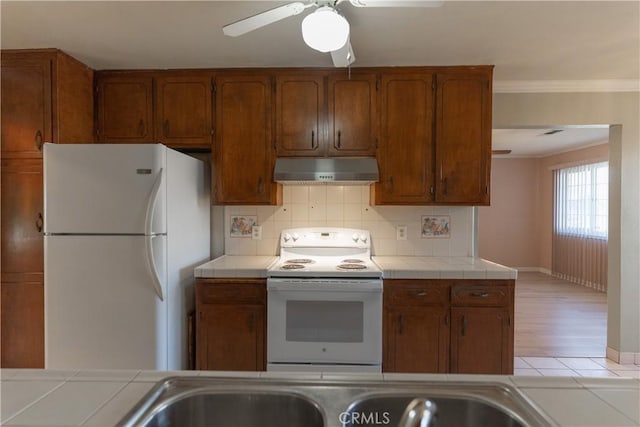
(401, 232)
(256, 232)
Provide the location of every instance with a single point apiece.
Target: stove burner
(351, 266)
(292, 266)
(352, 261)
(300, 261)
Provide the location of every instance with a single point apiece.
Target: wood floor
(556, 318)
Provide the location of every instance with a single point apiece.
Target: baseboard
(534, 269)
(623, 358)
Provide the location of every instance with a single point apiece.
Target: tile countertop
(414, 267)
(393, 267)
(102, 398)
(236, 266)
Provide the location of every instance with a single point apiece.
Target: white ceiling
(535, 142)
(540, 41)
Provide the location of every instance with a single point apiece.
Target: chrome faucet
(419, 413)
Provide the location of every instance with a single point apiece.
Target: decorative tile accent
(240, 226)
(436, 226)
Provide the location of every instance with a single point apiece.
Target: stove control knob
(296, 236)
(363, 238)
(286, 237)
(355, 237)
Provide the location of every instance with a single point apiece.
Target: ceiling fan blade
(394, 3)
(344, 56)
(251, 23)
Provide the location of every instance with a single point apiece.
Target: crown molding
(542, 86)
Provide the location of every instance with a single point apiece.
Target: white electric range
(324, 302)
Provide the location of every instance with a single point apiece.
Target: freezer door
(104, 188)
(102, 310)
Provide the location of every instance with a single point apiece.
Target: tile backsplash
(348, 206)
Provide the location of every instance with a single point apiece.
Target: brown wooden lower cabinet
(231, 324)
(22, 324)
(457, 326)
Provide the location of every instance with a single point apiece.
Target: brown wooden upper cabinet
(125, 108)
(325, 114)
(183, 111)
(31, 114)
(148, 107)
(300, 115)
(435, 142)
(352, 119)
(243, 153)
(405, 154)
(463, 137)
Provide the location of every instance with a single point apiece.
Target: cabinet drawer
(417, 292)
(243, 292)
(479, 295)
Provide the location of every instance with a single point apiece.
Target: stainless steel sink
(238, 402)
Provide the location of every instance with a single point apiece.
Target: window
(582, 200)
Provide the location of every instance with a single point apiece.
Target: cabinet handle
(400, 324)
(418, 293)
(38, 140)
(443, 179)
(141, 127)
(39, 222)
(391, 184)
(260, 186)
(313, 139)
(166, 127)
(480, 294)
(464, 326)
(339, 137)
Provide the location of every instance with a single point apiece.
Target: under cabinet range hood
(333, 170)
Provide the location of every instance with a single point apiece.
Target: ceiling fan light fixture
(325, 30)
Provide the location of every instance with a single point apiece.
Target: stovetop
(325, 252)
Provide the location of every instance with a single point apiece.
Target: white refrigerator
(124, 225)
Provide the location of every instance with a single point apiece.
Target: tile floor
(573, 367)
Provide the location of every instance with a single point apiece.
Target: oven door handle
(308, 286)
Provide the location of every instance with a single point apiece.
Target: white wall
(348, 206)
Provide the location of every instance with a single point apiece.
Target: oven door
(324, 321)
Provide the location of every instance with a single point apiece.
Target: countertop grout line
(113, 396)
(611, 406)
(62, 382)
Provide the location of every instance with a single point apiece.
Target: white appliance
(124, 225)
(324, 302)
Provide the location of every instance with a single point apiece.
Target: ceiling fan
(325, 29)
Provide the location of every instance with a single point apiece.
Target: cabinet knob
(260, 185)
(39, 222)
(38, 140)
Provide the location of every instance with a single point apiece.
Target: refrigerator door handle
(148, 225)
(151, 265)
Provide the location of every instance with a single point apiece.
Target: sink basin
(174, 404)
(266, 402)
(452, 411)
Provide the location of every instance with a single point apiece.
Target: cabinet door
(22, 303)
(22, 220)
(183, 111)
(405, 155)
(125, 109)
(300, 116)
(243, 152)
(417, 340)
(26, 106)
(22, 324)
(463, 138)
(352, 117)
(480, 341)
(231, 337)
